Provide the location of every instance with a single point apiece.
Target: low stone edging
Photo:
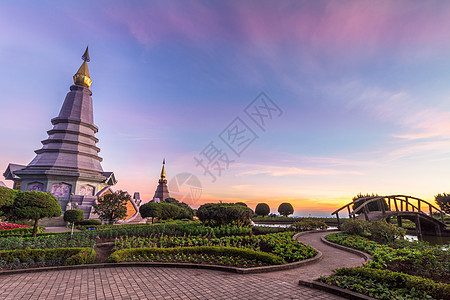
(334, 290)
(172, 265)
(364, 255)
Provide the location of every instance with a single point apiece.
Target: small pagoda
(68, 165)
(162, 192)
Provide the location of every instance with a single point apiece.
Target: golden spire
(82, 76)
(163, 171)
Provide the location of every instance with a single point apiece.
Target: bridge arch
(401, 206)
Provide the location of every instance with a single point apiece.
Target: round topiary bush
(73, 215)
(285, 209)
(262, 209)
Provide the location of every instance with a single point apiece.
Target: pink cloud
(319, 23)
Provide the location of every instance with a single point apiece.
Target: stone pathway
(332, 258)
(177, 283)
(59, 229)
(150, 283)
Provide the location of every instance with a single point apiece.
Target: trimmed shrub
(20, 231)
(130, 254)
(7, 197)
(168, 210)
(57, 256)
(308, 224)
(186, 211)
(267, 230)
(219, 214)
(285, 209)
(73, 216)
(34, 205)
(262, 209)
(150, 210)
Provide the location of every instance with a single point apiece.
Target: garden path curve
(332, 258)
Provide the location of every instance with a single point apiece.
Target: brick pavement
(150, 283)
(173, 283)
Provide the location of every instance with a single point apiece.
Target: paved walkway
(332, 258)
(150, 283)
(173, 283)
(59, 229)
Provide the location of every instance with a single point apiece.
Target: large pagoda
(68, 165)
(162, 192)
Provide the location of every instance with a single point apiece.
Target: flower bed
(8, 226)
(30, 258)
(229, 256)
(384, 284)
(280, 244)
(43, 242)
(422, 260)
(19, 231)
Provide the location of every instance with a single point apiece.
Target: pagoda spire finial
(82, 76)
(85, 56)
(163, 171)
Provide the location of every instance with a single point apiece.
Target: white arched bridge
(419, 211)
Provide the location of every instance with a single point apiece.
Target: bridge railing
(394, 201)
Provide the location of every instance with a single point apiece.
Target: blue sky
(363, 86)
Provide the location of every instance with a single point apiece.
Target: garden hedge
(20, 231)
(123, 255)
(69, 256)
(398, 280)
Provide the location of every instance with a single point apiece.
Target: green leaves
(262, 209)
(285, 209)
(218, 214)
(384, 284)
(112, 207)
(207, 254)
(73, 215)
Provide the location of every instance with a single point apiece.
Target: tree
(7, 197)
(169, 211)
(34, 205)
(150, 210)
(285, 209)
(217, 214)
(73, 215)
(113, 206)
(443, 200)
(373, 206)
(241, 203)
(262, 209)
(186, 211)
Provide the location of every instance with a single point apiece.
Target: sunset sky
(359, 90)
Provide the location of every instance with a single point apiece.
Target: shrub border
(254, 270)
(364, 255)
(264, 269)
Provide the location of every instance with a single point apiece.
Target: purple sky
(363, 87)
